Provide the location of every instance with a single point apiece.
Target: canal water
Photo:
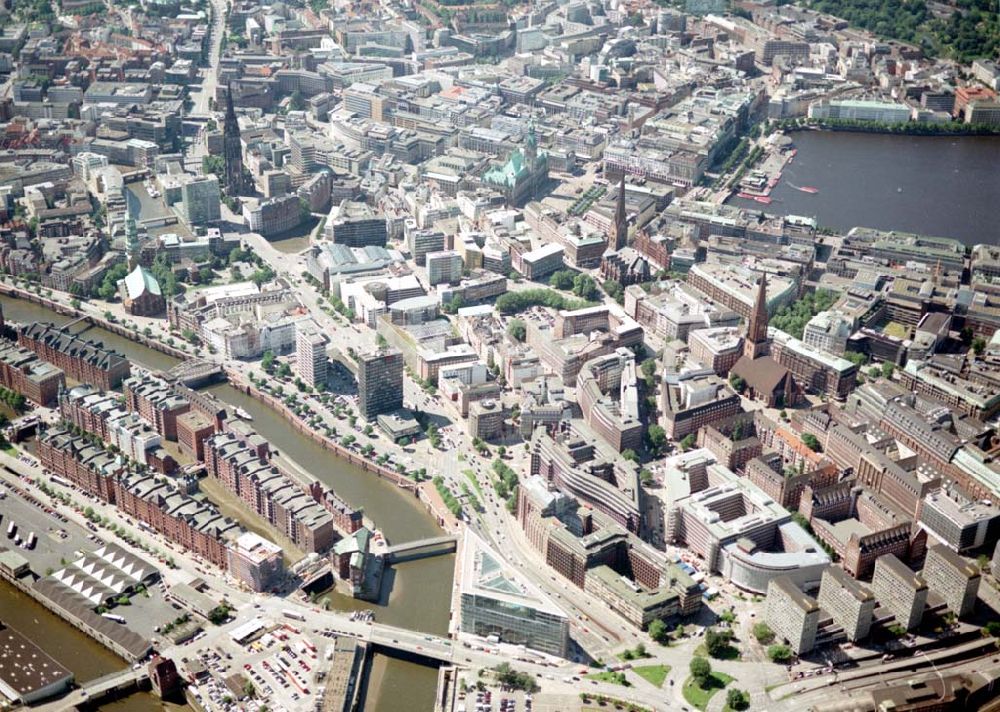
(418, 592)
(934, 185)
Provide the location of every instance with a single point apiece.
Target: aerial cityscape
(482, 356)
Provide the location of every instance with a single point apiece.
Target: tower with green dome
(524, 172)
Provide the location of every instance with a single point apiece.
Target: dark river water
(947, 186)
(419, 591)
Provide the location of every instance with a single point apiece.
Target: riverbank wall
(443, 517)
(440, 513)
(911, 128)
(113, 326)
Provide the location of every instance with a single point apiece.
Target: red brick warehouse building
(83, 360)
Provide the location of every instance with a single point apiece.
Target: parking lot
(495, 700)
(58, 538)
(283, 668)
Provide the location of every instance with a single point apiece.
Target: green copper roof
(139, 281)
(515, 169)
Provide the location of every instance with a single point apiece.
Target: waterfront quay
(413, 594)
(62, 573)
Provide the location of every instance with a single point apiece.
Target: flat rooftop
(485, 574)
(24, 667)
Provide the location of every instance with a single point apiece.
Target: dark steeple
(621, 220)
(231, 147)
(756, 344)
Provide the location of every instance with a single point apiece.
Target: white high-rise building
(310, 354)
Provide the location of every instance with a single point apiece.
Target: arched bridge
(195, 372)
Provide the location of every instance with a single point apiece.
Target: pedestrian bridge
(421, 549)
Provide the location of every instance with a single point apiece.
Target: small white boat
(240, 413)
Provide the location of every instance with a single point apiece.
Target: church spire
(232, 148)
(230, 110)
(756, 344)
(132, 246)
(621, 220)
(531, 145)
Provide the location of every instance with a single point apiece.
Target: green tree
(978, 345)
(792, 318)
(811, 442)
(519, 301)
(585, 287)
(108, 288)
(267, 362)
(717, 642)
(779, 653)
(262, 275)
(658, 631)
(235, 255)
(563, 279)
(888, 368)
(701, 670)
(858, 359)
(614, 289)
(516, 329)
(213, 164)
(763, 633)
(737, 699)
(688, 441)
(657, 437)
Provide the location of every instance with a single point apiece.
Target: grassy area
(698, 696)
(471, 497)
(653, 674)
(893, 328)
(475, 483)
(615, 678)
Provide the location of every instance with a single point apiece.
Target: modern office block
(900, 590)
(497, 601)
(380, 382)
(791, 614)
(953, 578)
(849, 602)
(444, 267)
(310, 355)
(200, 200)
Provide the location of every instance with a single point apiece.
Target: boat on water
(240, 413)
(762, 199)
(804, 188)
